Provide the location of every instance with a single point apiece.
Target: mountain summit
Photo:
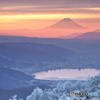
(65, 27)
(67, 23)
(66, 19)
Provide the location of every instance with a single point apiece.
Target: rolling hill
(90, 35)
(24, 55)
(11, 79)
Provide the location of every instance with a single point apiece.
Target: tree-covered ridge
(63, 90)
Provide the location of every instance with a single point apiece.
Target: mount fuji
(67, 23)
(65, 27)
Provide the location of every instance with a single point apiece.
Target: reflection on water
(67, 74)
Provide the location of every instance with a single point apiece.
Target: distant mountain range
(25, 54)
(65, 27)
(90, 35)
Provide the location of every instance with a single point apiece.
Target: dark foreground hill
(10, 79)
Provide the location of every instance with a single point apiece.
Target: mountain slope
(33, 51)
(23, 56)
(10, 79)
(67, 23)
(90, 35)
(64, 27)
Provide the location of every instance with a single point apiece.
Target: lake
(67, 74)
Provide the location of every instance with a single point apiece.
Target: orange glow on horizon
(16, 18)
(23, 25)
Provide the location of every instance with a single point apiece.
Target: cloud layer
(49, 6)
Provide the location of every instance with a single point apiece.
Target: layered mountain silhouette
(65, 27)
(90, 35)
(67, 23)
(21, 54)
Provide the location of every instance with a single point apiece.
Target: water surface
(67, 74)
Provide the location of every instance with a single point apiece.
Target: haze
(27, 15)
